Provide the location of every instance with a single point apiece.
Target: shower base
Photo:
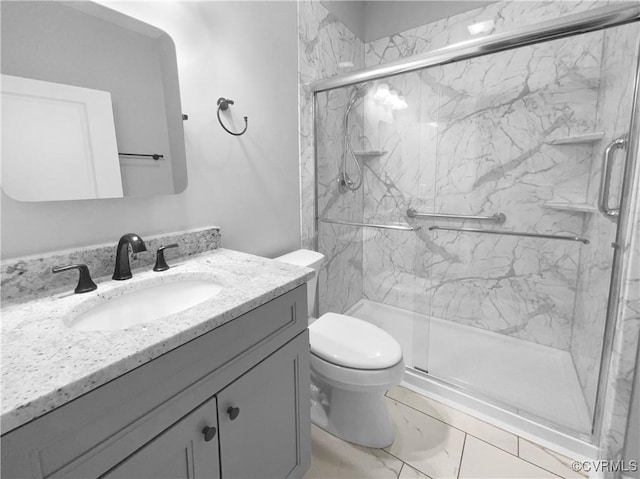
(530, 389)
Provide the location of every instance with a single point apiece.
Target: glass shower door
(518, 307)
(394, 132)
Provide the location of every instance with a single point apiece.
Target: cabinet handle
(233, 412)
(209, 433)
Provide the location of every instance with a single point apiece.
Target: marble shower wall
(620, 53)
(340, 280)
(475, 141)
(326, 47)
(505, 15)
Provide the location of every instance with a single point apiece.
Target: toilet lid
(353, 343)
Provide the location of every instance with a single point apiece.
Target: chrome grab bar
(605, 178)
(511, 233)
(371, 225)
(495, 218)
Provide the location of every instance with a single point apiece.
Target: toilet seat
(357, 379)
(348, 342)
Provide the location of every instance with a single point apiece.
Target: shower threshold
(504, 380)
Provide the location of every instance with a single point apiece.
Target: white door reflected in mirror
(130, 63)
(58, 142)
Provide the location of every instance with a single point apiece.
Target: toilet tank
(310, 259)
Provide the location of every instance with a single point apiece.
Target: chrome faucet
(123, 268)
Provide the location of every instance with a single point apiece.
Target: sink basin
(145, 305)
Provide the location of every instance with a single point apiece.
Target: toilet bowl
(353, 364)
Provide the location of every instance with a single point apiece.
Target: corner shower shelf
(575, 139)
(369, 154)
(575, 207)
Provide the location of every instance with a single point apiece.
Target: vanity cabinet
(248, 379)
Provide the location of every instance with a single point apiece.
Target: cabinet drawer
(126, 413)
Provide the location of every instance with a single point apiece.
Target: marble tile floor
(438, 442)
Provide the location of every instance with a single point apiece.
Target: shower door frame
(570, 25)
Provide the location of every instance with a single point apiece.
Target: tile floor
(438, 442)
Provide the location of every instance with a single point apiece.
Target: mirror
(90, 104)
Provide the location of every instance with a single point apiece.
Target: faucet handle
(161, 264)
(85, 283)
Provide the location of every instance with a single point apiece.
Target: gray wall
(351, 13)
(248, 185)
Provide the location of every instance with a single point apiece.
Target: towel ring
(223, 104)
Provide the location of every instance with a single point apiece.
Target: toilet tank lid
(302, 257)
(353, 343)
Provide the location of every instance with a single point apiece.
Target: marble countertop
(45, 364)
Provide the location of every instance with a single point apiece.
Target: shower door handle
(605, 178)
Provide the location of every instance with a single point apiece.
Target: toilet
(353, 364)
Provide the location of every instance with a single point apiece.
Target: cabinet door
(264, 417)
(180, 452)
